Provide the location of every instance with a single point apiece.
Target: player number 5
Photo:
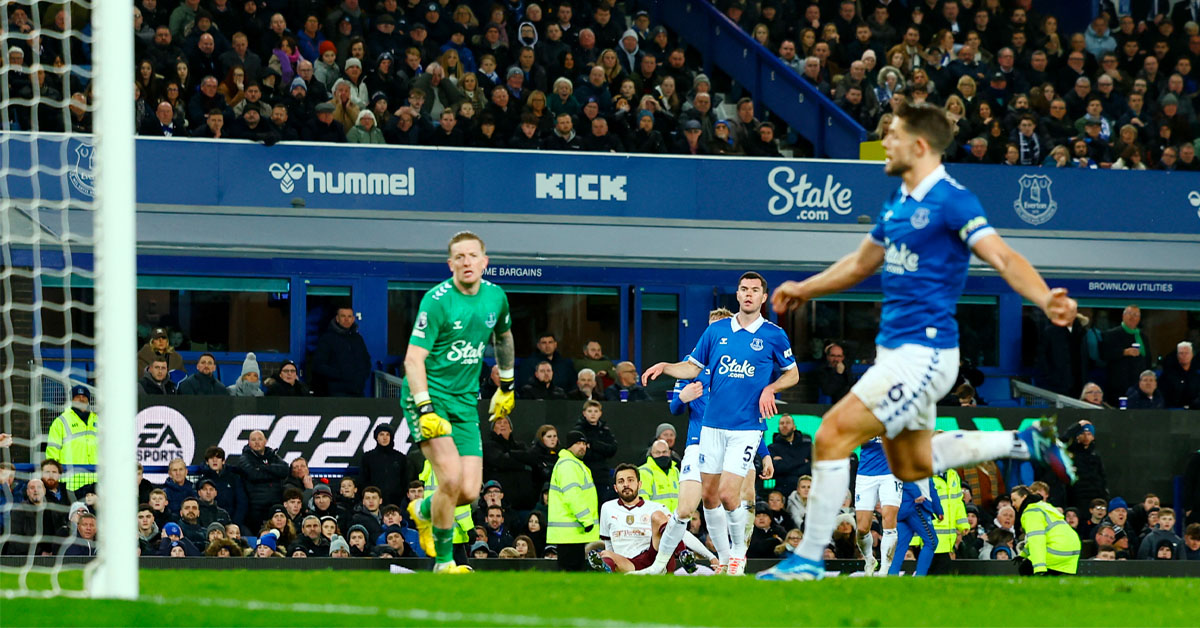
(749, 454)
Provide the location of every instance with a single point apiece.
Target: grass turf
(357, 598)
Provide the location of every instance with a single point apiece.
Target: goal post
(115, 574)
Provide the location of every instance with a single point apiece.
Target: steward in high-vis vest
(660, 477)
(72, 439)
(1050, 544)
(573, 509)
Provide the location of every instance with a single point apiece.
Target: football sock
(886, 545)
(865, 545)
(672, 535)
(737, 532)
(426, 507)
(443, 544)
(831, 479)
(958, 449)
(718, 531)
(749, 508)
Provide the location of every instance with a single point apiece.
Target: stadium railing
(771, 83)
(1032, 396)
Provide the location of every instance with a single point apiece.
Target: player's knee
(864, 530)
(658, 518)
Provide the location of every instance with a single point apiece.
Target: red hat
(326, 45)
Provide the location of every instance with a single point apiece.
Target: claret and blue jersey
(927, 234)
(741, 361)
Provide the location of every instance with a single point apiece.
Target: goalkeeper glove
(504, 399)
(430, 423)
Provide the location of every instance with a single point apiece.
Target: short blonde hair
(463, 236)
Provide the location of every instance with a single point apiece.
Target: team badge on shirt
(628, 520)
(491, 320)
(756, 344)
(920, 218)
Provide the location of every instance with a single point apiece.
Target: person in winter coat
(155, 381)
(543, 455)
(1091, 481)
(231, 492)
(791, 451)
(1180, 381)
(341, 361)
(287, 382)
(158, 346)
(203, 382)
(602, 447)
(366, 131)
(508, 462)
(385, 467)
(264, 472)
(177, 486)
(797, 502)
(247, 383)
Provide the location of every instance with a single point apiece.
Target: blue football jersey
(741, 361)
(871, 458)
(694, 408)
(927, 234)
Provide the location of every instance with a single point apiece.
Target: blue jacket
(932, 506)
(176, 494)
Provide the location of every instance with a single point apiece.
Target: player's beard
(628, 496)
(895, 168)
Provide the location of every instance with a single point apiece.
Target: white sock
(958, 449)
(749, 527)
(737, 532)
(864, 546)
(670, 539)
(718, 531)
(831, 479)
(886, 545)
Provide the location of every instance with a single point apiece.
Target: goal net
(67, 301)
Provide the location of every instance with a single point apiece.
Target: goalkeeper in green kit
(441, 385)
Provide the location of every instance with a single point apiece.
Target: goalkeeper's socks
(830, 480)
(718, 531)
(425, 510)
(443, 544)
(672, 535)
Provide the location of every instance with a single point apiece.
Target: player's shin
(831, 479)
(718, 531)
(957, 449)
(737, 531)
(865, 546)
(886, 545)
(672, 535)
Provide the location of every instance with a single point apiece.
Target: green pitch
(328, 598)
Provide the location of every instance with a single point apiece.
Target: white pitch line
(417, 615)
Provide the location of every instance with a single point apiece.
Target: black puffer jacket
(507, 462)
(387, 469)
(1091, 481)
(264, 474)
(201, 384)
(602, 447)
(792, 460)
(341, 362)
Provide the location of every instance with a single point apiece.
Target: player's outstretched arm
(678, 370)
(843, 274)
(1026, 280)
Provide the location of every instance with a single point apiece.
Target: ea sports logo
(163, 434)
(286, 174)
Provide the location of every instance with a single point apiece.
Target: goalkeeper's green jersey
(455, 328)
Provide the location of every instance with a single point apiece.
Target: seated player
(631, 527)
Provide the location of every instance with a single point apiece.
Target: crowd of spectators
(600, 76)
(1121, 94)
(256, 504)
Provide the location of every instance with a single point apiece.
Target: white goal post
(116, 569)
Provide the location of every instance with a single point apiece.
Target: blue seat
(252, 541)
(177, 375)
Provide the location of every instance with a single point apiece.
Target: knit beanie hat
(326, 45)
(250, 365)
